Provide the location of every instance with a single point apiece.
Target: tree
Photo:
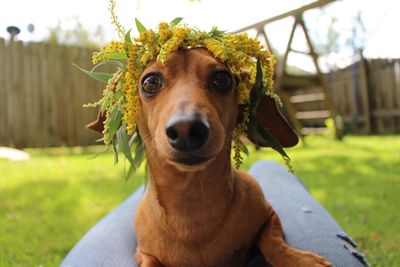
(76, 35)
(338, 39)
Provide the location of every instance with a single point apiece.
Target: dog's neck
(203, 194)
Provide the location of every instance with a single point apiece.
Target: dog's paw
(301, 258)
(146, 260)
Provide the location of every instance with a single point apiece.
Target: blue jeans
(306, 224)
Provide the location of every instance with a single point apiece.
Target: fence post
(364, 88)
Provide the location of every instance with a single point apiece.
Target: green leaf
(116, 63)
(114, 124)
(216, 33)
(259, 75)
(138, 159)
(106, 103)
(106, 148)
(116, 56)
(135, 137)
(100, 140)
(128, 42)
(175, 22)
(140, 26)
(100, 76)
(128, 38)
(123, 144)
(139, 154)
(244, 149)
(129, 173)
(258, 89)
(118, 95)
(263, 137)
(115, 150)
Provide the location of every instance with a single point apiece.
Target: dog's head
(188, 110)
(188, 95)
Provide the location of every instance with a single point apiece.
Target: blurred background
(337, 72)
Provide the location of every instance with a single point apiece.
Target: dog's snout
(187, 131)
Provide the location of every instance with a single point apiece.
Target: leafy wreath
(120, 102)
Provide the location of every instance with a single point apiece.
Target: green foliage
(140, 26)
(51, 201)
(175, 22)
(100, 76)
(257, 131)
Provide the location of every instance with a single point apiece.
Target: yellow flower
(243, 94)
(172, 44)
(238, 51)
(164, 32)
(132, 102)
(111, 48)
(217, 49)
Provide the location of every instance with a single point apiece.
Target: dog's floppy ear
(268, 116)
(98, 124)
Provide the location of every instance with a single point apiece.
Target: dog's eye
(222, 81)
(151, 84)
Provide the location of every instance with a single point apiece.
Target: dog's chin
(190, 162)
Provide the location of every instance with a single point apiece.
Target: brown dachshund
(199, 210)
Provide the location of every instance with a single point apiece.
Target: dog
(198, 209)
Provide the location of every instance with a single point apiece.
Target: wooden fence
(42, 93)
(367, 95)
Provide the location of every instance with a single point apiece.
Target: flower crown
(120, 102)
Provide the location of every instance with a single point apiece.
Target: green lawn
(49, 202)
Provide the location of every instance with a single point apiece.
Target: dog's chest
(194, 245)
(228, 248)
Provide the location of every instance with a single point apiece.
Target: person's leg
(306, 224)
(111, 242)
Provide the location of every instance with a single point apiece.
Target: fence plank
(42, 93)
(15, 90)
(63, 110)
(36, 95)
(3, 94)
(397, 89)
(27, 79)
(364, 96)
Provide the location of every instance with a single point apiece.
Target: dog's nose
(187, 131)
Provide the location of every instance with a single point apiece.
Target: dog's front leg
(146, 260)
(278, 253)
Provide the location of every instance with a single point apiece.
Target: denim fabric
(307, 225)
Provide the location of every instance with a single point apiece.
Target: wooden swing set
(305, 96)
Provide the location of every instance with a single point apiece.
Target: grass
(49, 202)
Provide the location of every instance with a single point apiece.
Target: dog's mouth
(189, 160)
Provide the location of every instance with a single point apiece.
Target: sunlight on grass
(49, 202)
(319, 195)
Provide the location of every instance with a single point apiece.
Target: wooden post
(295, 12)
(364, 91)
(3, 94)
(280, 74)
(281, 69)
(36, 93)
(261, 32)
(328, 101)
